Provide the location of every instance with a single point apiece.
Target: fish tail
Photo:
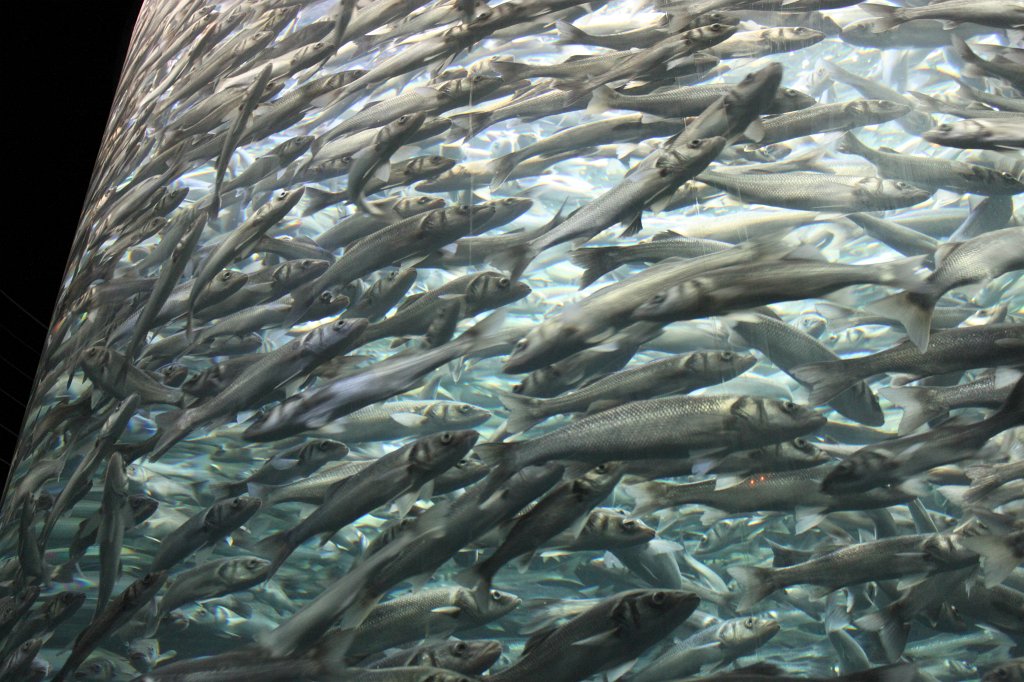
(755, 584)
(913, 309)
(601, 100)
(892, 631)
(920, 405)
(277, 547)
(474, 577)
(998, 560)
(523, 410)
(596, 262)
(515, 259)
(570, 35)
(646, 496)
(318, 199)
(502, 168)
(902, 273)
(888, 17)
(825, 380)
(1013, 408)
(849, 144)
(511, 71)
(469, 125)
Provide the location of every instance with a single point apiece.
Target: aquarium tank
(542, 340)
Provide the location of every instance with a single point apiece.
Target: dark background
(65, 60)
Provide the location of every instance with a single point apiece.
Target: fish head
(230, 514)
(599, 480)
(443, 450)
(546, 343)
(643, 612)
(779, 418)
(143, 654)
(244, 569)
(1011, 671)
(1005, 181)
(899, 194)
(676, 302)
(489, 290)
(406, 207)
(755, 93)
(315, 454)
(617, 528)
(703, 37)
(800, 453)
(861, 471)
(225, 283)
(328, 338)
(483, 606)
(789, 99)
(293, 147)
(792, 37)
(473, 656)
(97, 667)
(294, 272)
(746, 634)
(724, 364)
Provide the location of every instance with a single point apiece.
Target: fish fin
(317, 200)
(515, 259)
(522, 409)
(452, 611)
(849, 144)
(825, 380)
(919, 404)
(276, 547)
(596, 261)
(600, 639)
(997, 558)
(755, 584)
(913, 310)
(409, 419)
(645, 497)
(569, 34)
(635, 225)
(403, 503)
(755, 131)
(892, 632)
(475, 123)
(808, 518)
(502, 167)
(887, 16)
(511, 71)
(600, 100)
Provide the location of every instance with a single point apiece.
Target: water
(109, 473)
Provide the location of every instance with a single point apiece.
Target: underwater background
(544, 340)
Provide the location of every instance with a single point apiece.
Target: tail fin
(1013, 408)
(502, 167)
(319, 199)
(755, 582)
(888, 16)
(524, 411)
(469, 125)
(849, 144)
(892, 632)
(825, 380)
(601, 100)
(914, 311)
(511, 71)
(515, 259)
(570, 35)
(902, 273)
(276, 547)
(920, 405)
(647, 497)
(596, 262)
(998, 560)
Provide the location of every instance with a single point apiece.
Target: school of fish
(354, 376)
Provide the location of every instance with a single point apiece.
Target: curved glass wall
(544, 340)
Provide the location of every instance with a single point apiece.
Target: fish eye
(728, 355)
(495, 595)
(945, 127)
(695, 144)
(629, 524)
(521, 344)
(788, 406)
(658, 598)
(437, 159)
(1007, 176)
(509, 201)
(601, 468)
(658, 299)
(253, 563)
(801, 443)
(447, 438)
(716, 27)
(459, 648)
(226, 275)
(789, 92)
(283, 194)
(423, 200)
(749, 623)
(464, 408)
(237, 502)
(504, 282)
(403, 118)
(325, 297)
(324, 445)
(902, 185)
(463, 209)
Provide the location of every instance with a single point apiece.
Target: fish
(348, 326)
